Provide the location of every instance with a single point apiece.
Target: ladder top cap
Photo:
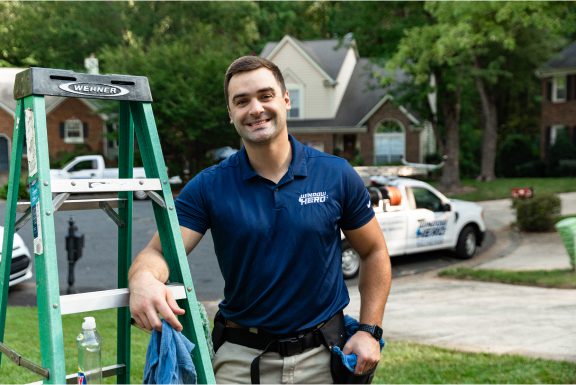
(65, 83)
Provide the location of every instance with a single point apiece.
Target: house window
(559, 89)
(556, 132)
(295, 93)
(73, 131)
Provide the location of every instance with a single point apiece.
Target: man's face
(257, 106)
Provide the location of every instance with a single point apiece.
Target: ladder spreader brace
(135, 118)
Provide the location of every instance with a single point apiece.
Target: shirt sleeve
(357, 208)
(191, 206)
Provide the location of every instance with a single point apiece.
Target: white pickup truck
(94, 167)
(415, 217)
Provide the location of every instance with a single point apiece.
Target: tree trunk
(490, 134)
(450, 179)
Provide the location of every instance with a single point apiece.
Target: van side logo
(93, 89)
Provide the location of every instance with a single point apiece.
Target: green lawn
(561, 278)
(501, 188)
(401, 362)
(408, 363)
(22, 335)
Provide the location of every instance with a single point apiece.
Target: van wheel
(140, 195)
(467, 243)
(350, 261)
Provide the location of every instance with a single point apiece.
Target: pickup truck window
(426, 199)
(84, 165)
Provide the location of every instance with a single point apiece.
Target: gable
(561, 63)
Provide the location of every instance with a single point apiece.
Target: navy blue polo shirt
(278, 245)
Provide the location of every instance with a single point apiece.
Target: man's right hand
(148, 297)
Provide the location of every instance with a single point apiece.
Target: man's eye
(241, 102)
(266, 97)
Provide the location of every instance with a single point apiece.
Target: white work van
(415, 218)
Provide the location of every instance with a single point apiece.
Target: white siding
(318, 99)
(344, 77)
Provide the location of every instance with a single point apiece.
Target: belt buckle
(290, 346)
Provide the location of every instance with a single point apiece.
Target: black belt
(286, 346)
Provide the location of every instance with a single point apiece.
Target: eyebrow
(260, 91)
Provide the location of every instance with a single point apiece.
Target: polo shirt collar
(298, 165)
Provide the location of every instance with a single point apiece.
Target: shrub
(538, 213)
(515, 151)
(22, 191)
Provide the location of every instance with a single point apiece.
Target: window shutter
(547, 137)
(62, 130)
(85, 127)
(570, 87)
(549, 90)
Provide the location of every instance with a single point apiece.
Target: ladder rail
(10, 215)
(47, 288)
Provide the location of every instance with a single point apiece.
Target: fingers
(367, 351)
(167, 308)
(173, 304)
(150, 299)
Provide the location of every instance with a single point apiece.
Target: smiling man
(275, 210)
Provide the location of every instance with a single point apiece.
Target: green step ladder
(135, 118)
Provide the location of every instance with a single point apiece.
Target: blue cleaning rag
(349, 360)
(168, 358)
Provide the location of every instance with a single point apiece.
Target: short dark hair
(251, 63)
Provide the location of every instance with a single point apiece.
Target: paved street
(96, 270)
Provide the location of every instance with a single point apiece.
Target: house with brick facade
(339, 107)
(72, 124)
(558, 115)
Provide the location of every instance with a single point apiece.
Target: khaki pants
(232, 365)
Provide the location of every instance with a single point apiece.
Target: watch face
(374, 330)
(377, 332)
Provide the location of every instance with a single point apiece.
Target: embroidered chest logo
(317, 197)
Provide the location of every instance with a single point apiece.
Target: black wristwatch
(374, 330)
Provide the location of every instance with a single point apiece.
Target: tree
(57, 34)
(184, 50)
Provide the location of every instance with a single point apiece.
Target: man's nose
(256, 107)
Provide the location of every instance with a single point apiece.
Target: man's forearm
(150, 260)
(374, 286)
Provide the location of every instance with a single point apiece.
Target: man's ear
(287, 100)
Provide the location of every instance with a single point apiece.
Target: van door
(430, 222)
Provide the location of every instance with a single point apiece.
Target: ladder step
(107, 371)
(105, 299)
(104, 185)
(78, 204)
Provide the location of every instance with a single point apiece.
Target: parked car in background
(415, 218)
(21, 267)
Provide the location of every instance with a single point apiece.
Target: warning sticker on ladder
(36, 222)
(31, 143)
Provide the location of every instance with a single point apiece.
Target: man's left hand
(366, 348)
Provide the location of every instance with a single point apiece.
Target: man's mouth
(257, 123)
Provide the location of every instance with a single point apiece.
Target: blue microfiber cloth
(349, 360)
(168, 358)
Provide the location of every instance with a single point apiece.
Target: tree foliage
(492, 46)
